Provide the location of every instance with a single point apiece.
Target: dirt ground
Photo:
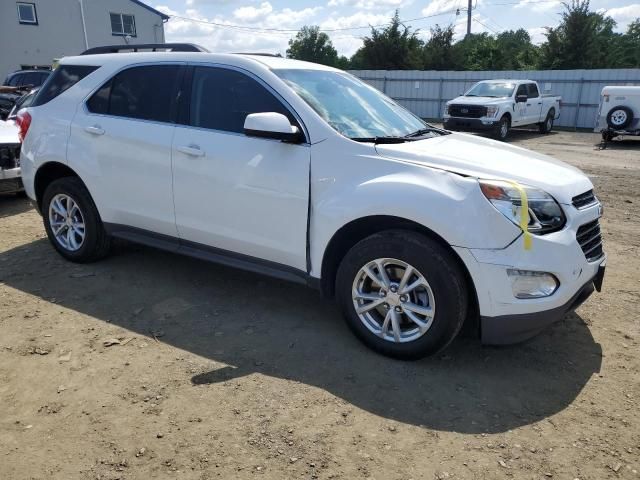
(218, 373)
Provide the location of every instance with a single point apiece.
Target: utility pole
(469, 17)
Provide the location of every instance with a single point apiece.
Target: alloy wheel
(66, 222)
(393, 300)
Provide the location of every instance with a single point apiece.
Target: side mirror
(271, 125)
(521, 98)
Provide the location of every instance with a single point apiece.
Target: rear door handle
(191, 150)
(539, 103)
(94, 130)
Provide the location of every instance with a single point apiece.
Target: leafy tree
(477, 51)
(395, 47)
(438, 51)
(582, 40)
(629, 49)
(514, 51)
(312, 45)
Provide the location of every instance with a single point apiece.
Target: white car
(10, 181)
(494, 106)
(304, 172)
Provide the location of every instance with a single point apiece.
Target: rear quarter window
(62, 79)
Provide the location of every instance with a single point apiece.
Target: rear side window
(145, 93)
(533, 90)
(221, 99)
(62, 79)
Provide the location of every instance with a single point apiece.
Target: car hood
(8, 132)
(477, 100)
(484, 158)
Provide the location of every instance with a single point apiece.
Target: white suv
(305, 173)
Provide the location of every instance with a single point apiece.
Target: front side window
(27, 13)
(492, 89)
(123, 24)
(63, 78)
(532, 90)
(522, 90)
(350, 106)
(221, 99)
(145, 93)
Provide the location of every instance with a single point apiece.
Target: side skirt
(211, 254)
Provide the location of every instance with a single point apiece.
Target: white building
(35, 32)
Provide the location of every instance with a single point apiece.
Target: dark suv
(31, 78)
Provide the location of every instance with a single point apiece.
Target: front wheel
(402, 294)
(502, 132)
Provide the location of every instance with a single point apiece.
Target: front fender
(450, 205)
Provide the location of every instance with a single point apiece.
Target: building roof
(144, 5)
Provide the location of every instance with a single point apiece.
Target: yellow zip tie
(524, 214)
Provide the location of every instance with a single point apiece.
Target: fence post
(384, 85)
(440, 112)
(575, 120)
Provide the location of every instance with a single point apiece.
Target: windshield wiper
(378, 140)
(424, 131)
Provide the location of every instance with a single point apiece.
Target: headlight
(545, 215)
(491, 111)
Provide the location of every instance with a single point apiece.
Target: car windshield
(492, 89)
(350, 106)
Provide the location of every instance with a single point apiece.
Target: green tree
(584, 39)
(312, 45)
(438, 51)
(630, 46)
(395, 47)
(476, 51)
(514, 51)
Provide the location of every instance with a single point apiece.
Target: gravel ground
(151, 365)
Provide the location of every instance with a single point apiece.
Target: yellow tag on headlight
(524, 214)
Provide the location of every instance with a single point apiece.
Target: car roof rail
(260, 54)
(153, 47)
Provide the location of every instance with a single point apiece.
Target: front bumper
(469, 124)
(507, 319)
(10, 180)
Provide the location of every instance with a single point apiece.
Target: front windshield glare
(349, 105)
(491, 90)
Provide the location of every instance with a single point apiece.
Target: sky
(267, 25)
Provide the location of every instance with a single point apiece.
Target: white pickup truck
(495, 106)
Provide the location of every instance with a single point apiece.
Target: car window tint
(14, 81)
(533, 90)
(146, 93)
(62, 79)
(221, 99)
(522, 90)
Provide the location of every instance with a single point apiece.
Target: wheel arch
(47, 173)
(356, 230)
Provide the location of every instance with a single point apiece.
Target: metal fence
(425, 92)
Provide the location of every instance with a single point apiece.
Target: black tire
(503, 128)
(96, 242)
(619, 117)
(547, 125)
(435, 263)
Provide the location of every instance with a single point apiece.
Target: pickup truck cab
(305, 173)
(494, 106)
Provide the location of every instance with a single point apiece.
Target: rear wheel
(402, 294)
(72, 221)
(547, 125)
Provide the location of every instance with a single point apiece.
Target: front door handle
(191, 150)
(94, 130)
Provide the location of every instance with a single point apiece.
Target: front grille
(584, 200)
(589, 237)
(467, 111)
(9, 156)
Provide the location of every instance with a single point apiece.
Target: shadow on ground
(255, 324)
(626, 143)
(12, 204)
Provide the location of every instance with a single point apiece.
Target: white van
(619, 112)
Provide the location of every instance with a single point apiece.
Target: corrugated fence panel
(425, 92)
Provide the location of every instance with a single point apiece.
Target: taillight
(23, 120)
